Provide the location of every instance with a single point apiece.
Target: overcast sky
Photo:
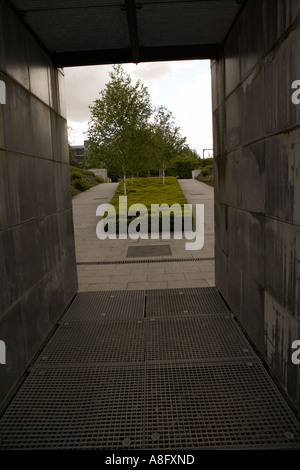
(184, 87)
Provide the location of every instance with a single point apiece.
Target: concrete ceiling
(86, 32)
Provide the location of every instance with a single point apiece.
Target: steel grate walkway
(163, 369)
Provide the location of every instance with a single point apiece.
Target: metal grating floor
(107, 305)
(149, 370)
(184, 302)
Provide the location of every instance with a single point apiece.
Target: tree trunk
(131, 179)
(163, 171)
(124, 181)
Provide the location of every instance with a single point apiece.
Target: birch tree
(117, 116)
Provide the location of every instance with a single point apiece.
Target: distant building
(80, 151)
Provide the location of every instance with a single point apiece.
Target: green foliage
(100, 179)
(82, 171)
(149, 191)
(206, 170)
(208, 181)
(166, 138)
(75, 174)
(78, 181)
(205, 161)
(117, 118)
(126, 135)
(74, 191)
(81, 184)
(72, 157)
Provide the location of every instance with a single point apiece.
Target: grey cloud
(83, 85)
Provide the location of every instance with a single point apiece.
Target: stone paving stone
(191, 276)
(172, 284)
(147, 285)
(163, 277)
(106, 286)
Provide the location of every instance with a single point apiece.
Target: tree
(167, 140)
(72, 156)
(117, 118)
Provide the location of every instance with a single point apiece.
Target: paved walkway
(106, 264)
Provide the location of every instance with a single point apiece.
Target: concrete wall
(37, 255)
(257, 180)
(100, 172)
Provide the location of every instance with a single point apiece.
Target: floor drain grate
(171, 260)
(148, 250)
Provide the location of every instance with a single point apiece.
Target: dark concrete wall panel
(281, 182)
(12, 333)
(4, 196)
(257, 180)
(14, 50)
(234, 169)
(234, 117)
(232, 59)
(221, 272)
(253, 126)
(221, 226)
(21, 188)
(282, 263)
(252, 311)
(62, 186)
(252, 40)
(279, 15)
(281, 330)
(38, 275)
(41, 129)
(252, 169)
(39, 72)
(45, 186)
(17, 119)
(10, 288)
(66, 233)
(59, 138)
(218, 82)
(235, 274)
(281, 69)
(220, 168)
(62, 104)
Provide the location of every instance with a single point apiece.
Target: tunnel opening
(256, 141)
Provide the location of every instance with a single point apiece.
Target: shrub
(81, 184)
(99, 179)
(76, 174)
(74, 191)
(206, 170)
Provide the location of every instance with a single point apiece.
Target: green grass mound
(148, 192)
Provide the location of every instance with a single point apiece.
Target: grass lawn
(148, 191)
